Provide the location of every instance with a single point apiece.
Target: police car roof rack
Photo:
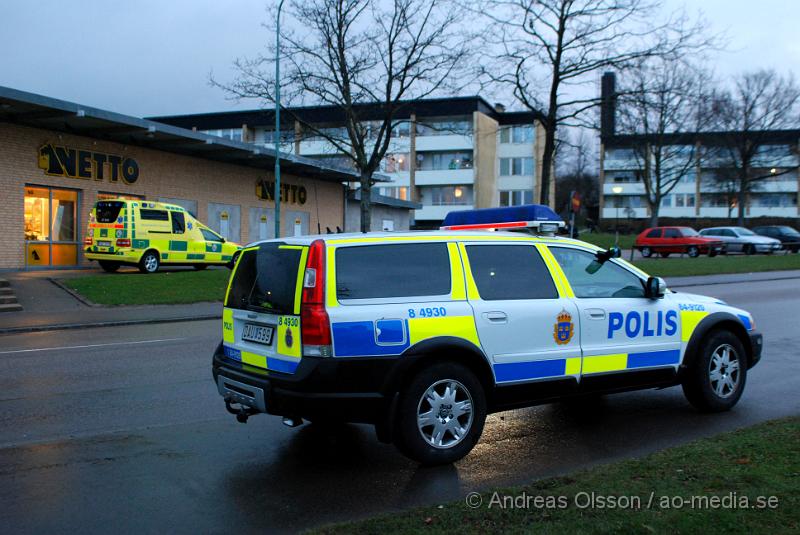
(532, 218)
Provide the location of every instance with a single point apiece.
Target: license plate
(103, 243)
(259, 334)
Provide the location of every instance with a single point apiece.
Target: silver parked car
(740, 239)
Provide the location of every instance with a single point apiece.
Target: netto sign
(85, 164)
(290, 193)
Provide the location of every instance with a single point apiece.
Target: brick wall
(161, 174)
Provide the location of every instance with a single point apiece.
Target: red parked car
(667, 240)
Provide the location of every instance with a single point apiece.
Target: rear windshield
(107, 211)
(266, 279)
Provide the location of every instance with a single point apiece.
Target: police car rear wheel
(108, 266)
(715, 381)
(441, 414)
(149, 262)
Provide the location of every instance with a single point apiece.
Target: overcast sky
(153, 57)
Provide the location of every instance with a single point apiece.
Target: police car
(425, 333)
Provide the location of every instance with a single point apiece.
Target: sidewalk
(47, 306)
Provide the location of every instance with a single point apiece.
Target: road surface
(121, 429)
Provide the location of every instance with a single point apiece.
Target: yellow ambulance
(148, 234)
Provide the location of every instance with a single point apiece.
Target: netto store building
(57, 158)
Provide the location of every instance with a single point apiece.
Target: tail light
(316, 325)
(88, 240)
(126, 242)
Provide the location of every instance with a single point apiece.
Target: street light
(617, 190)
(277, 193)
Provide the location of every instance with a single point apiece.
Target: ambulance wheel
(441, 413)
(693, 251)
(149, 262)
(199, 267)
(646, 252)
(108, 266)
(715, 380)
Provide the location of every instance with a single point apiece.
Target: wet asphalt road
(129, 435)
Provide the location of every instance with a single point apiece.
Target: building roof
(37, 111)
(429, 107)
(355, 195)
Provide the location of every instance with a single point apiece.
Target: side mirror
(655, 288)
(222, 239)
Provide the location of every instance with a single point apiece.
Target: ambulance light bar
(535, 216)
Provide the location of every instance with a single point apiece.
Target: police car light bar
(536, 216)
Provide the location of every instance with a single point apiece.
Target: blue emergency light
(536, 216)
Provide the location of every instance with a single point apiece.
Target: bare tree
(662, 106)
(759, 102)
(572, 40)
(347, 53)
(577, 171)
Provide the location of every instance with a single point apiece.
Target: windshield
(788, 231)
(741, 231)
(265, 279)
(687, 231)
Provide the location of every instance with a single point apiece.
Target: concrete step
(6, 299)
(10, 307)
(6, 291)
(4, 283)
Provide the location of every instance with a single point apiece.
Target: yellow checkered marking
(456, 326)
(605, 363)
(689, 321)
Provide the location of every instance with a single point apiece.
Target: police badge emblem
(564, 328)
(288, 339)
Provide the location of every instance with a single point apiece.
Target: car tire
(712, 253)
(109, 266)
(748, 249)
(149, 263)
(693, 251)
(646, 252)
(664, 255)
(199, 267)
(714, 382)
(437, 390)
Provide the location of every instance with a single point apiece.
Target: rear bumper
(118, 255)
(354, 390)
(756, 345)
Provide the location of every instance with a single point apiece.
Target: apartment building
(445, 153)
(705, 187)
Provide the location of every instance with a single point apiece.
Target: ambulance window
(401, 270)
(503, 272)
(154, 215)
(107, 211)
(209, 236)
(611, 280)
(178, 223)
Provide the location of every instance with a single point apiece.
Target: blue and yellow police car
(425, 333)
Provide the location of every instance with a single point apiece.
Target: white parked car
(742, 240)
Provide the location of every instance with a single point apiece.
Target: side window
(384, 271)
(209, 236)
(178, 223)
(587, 280)
(510, 272)
(671, 233)
(655, 233)
(154, 215)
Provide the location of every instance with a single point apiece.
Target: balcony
(444, 177)
(446, 142)
(436, 212)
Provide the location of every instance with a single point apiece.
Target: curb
(732, 281)
(73, 293)
(120, 323)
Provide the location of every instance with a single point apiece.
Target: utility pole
(277, 133)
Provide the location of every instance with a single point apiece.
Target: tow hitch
(242, 413)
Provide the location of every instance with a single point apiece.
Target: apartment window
(516, 166)
(521, 133)
(684, 200)
(714, 200)
(516, 197)
(773, 200)
(234, 134)
(402, 129)
(624, 177)
(666, 201)
(287, 136)
(449, 195)
(439, 161)
(393, 163)
(444, 128)
(397, 193)
(628, 201)
(620, 154)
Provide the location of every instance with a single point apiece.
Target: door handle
(596, 313)
(496, 317)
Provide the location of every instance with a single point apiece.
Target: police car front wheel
(716, 378)
(441, 414)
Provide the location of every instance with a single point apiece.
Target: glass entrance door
(50, 227)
